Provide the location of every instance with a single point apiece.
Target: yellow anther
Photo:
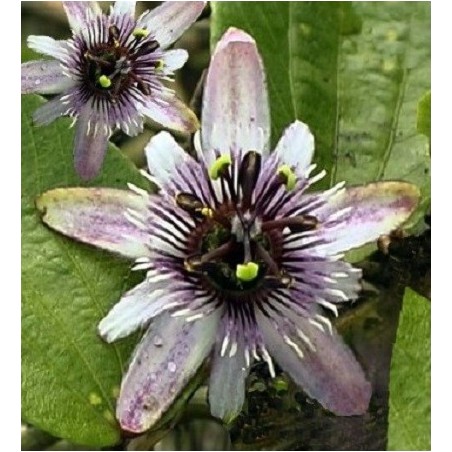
(104, 81)
(140, 33)
(159, 65)
(289, 177)
(207, 212)
(247, 272)
(221, 163)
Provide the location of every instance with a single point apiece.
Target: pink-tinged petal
(78, 13)
(359, 215)
(296, 147)
(136, 308)
(50, 111)
(321, 363)
(164, 156)
(171, 113)
(227, 382)
(48, 46)
(90, 143)
(235, 104)
(44, 77)
(124, 8)
(173, 60)
(97, 216)
(168, 21)
(163, 363)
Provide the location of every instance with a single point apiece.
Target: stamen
(248, 175)
(104, 81)
(140, 33)
(113, 35)
(198, 262)
(220, 167)
(159, 65)
(247, 272)
(287, 176)
(300, 223)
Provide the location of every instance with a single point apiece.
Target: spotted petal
(168, 21)
(163, 362)
(324, 366)
(97, 216)
(359, 215)
(235, 103)
(44, 77)
(124, 8)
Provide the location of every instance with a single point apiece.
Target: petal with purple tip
(327, 370)
(235, 104)
(44, 77)
(168, 21)
(296, 147)
(79, 12)
(90, 143)
(164, 361)
(97, 216)
(358, 215)
(171, 113)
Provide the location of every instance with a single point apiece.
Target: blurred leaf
(424, 114)
(409, 398)
(69, 376)
(354, 73)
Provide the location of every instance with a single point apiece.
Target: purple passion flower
(241, 262)
(111, 73)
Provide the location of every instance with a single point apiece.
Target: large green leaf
(353, 72)
(69, 376)
(409, 397)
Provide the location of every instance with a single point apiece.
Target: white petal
(48, 46)
(164, 156)
(296, 147)
(174, 59)
(134, 310)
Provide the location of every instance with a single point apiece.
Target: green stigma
(247, 272)
(285, 171)
(140, 33)
(220, 164)
(104, 81)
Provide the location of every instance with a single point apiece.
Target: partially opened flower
(111, 74)
(241, 262)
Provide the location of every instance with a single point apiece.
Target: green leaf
(424, 109)
(353, 72)
(409, 399)
(69, 376)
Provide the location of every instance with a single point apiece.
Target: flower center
(232, 247)
(111, 67)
